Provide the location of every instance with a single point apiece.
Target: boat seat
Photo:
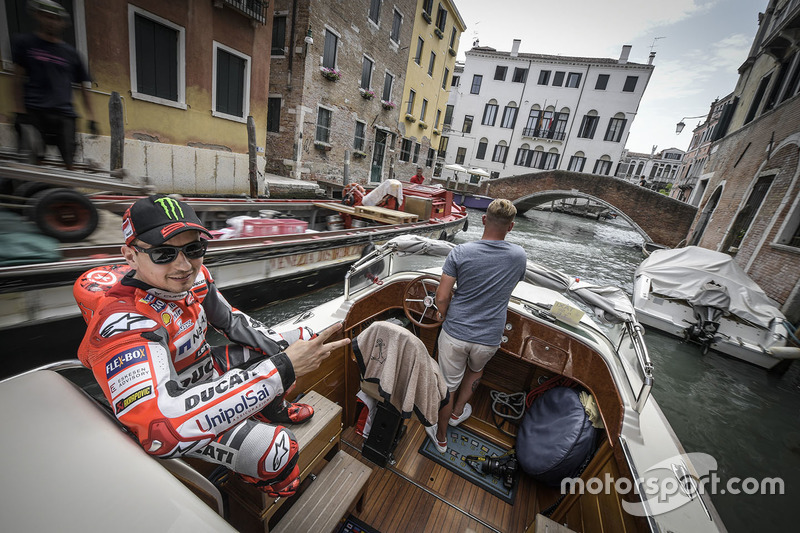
(397, 371)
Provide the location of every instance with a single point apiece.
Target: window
(323, 133)
(509, 117)
(431, 64)
(443, 146)
(420, 46)
(576, 162)
(397, 20)
(602, 166)
(520, 75)
(489, 114)
(532, 127)
(500, 153)
(467, 124)
(558, 79)
(273, 115)
(476, 84)
(456, 81)
(444, 79)
(544, 77)
(559, 126)
(615, 128)
(278, 35)
(574, 80)
(411, 96)
(366, 72)
(550, 161)
(388, 81)
(500, 73)
(453, 38)
(359, 139)
(427, 7)
(448, 115)
(424, 110)
(416, 153)
(374, 10)
(756, 102)
(602, 82)
(231, 83)
(157, 50)
(405, 150)
(481, 153)
(588, 126)
(744, 219)
(431, 157)
(329, 53)
(523, 158)
(630, 84)
(438, 118)
(441, 18)
(461, 154)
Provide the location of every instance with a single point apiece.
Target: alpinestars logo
(171, 207)
(281, 450)
(121, 322)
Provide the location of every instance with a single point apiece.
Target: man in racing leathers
(146, 345)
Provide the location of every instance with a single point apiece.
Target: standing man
(418, 178)
(474, 312)
(146, 345)
(45, 68)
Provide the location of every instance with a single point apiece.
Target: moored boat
(546, 338)
(704, 297)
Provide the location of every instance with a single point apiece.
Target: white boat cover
(683, 272)
(390, 187)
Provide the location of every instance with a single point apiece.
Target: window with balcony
(330, 50)
(388, 82)
(412, 94)
(489, 113)
(278, 35)
(476, 84)
(424, 110)
(232, 83)
(441, 19)
(427, 8)
(157, 51)
(366, 72)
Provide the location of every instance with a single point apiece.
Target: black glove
(93, 128)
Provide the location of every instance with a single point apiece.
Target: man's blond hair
(501, 211)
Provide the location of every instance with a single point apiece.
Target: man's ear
(129, 255)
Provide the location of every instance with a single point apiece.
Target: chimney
(651, 58)
(515, 48)
(626, 51)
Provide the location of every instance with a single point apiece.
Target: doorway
(378, 155)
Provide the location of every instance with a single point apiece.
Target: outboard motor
(708, 306)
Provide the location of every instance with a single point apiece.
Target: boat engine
(708, 306)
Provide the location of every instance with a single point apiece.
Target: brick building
(751, 207)
(337, 76)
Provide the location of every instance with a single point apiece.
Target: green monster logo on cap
(171, 207)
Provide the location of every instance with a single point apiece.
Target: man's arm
(444, 294)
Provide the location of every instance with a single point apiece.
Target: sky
(699, 47)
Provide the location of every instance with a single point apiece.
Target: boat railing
(636, 332)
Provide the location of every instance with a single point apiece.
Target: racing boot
(279, 475)
(279, 411)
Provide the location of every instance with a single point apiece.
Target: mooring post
(117, 124)
(251, 152)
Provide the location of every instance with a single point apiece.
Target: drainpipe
(572, 123)
(521, 99)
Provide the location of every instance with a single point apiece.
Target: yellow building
(437, 31)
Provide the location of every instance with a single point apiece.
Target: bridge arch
(658, 218)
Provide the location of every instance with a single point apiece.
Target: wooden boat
(704, 297)
(36, 302)
(546, 338)
(473, 201)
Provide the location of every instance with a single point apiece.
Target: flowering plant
(330, 73)
(367, 94)
(387, 104)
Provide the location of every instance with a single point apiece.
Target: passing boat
(704, 297)
(386, 480)
(473, 201)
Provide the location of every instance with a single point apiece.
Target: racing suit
(148, 351)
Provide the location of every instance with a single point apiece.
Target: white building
(658, 169)
(515, 113)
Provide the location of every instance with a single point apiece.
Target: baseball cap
(158, 218)
(48, 6)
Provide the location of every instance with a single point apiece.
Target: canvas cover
(684, 272)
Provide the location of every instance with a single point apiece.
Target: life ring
(64, 214)
(352, 194)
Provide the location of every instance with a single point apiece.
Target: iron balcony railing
(543, 133)
(255, 9)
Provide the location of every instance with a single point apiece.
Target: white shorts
(455, 355)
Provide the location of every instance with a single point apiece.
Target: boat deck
(441, 500)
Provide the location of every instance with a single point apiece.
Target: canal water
(744, 417)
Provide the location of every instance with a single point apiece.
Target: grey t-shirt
(486, 272)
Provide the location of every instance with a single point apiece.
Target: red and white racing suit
(148, 351)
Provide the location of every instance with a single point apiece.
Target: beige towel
(398, 362)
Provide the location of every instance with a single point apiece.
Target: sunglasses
(161, 255)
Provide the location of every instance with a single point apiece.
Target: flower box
(438, 33)
(451, 51)
(426, 16)
(423, 124)
(387, 104)
(330, 73)
(410, 118)
(325, 147)
(436, 131)
(367, 94)
(359, 154)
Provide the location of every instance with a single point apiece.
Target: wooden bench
(330, 497)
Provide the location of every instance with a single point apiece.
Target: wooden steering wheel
(419, 302)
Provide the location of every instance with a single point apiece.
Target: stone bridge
(656, 217)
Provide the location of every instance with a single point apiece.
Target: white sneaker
(431, 431)
(456, 420)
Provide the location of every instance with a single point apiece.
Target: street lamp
(680, 125)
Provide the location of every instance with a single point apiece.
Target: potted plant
(451, 51)
(330, 73)
(426, 16)
(367, 94)
(438, 33)
(387, 104)
(423, 124)
(410, 118)
(359, 154)
(436, 131)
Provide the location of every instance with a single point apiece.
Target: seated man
(146, 345)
